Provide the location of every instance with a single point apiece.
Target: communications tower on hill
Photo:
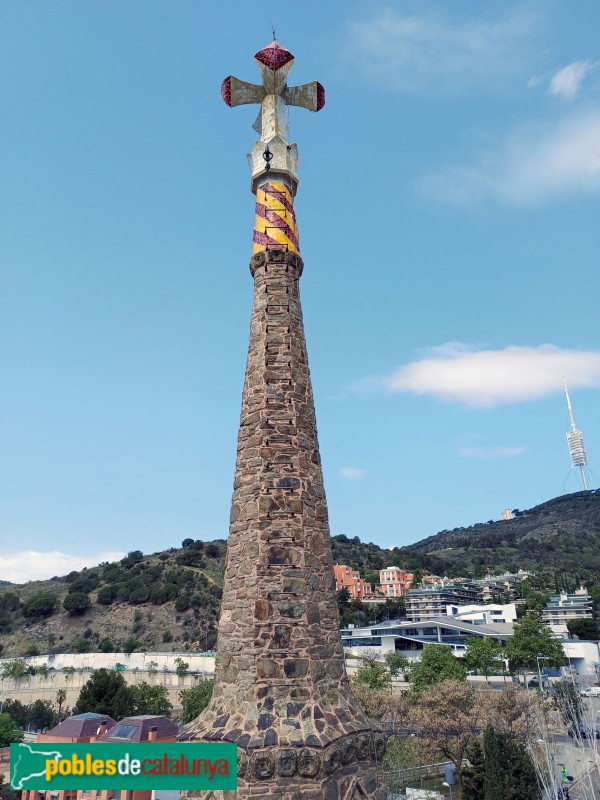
(575, 443)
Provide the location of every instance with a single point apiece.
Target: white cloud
(497, 451)
(487, 378)
(32, 565)
(533, 165)
(352, 473)
(416, 52)
(566, 82)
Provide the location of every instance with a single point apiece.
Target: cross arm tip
(226, 90)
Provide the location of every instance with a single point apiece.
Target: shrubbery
(40, 605)
(76, 603)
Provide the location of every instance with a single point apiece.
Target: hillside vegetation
(164, 601)
(170, 600)
(562, 535)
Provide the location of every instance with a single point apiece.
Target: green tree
(530, 640)
(473, 773)
(151, 699)
(397, 664)
(195, 699)
(10, 601)
(343, 599)
(373, 674)
(6, 621)
(61, 696)
(40, 605)
(106, 646)
(495, 783)
(13, 669)
(181, 667)
(130, 644)
(18, 711)
(41, 715)
(182, 602)
(133, 558)
(9, 732)
(584, 628)
(509, 772)
(483, 655)
(105, 693)
(106, 595)
(437, 664)
(6, 793)
(152, 667)
(417, 579)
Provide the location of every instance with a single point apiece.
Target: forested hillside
(562, 535)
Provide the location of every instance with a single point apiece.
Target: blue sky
(448, 214)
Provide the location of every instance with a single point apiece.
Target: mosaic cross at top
(274, 162)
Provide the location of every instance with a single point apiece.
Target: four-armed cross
(274, 62)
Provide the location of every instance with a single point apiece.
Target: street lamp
(449, 785)
(538, 659)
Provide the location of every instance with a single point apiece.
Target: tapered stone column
(281, 691)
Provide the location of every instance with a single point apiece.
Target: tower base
(343, 784)
(349, 768)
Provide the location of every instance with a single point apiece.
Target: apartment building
(346, 577)
(394, 582)
(563, 607)
(422, 604)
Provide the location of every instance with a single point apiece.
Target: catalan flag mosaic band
(275, 221)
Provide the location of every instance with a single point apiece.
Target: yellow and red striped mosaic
(275, 221)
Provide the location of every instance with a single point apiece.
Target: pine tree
(105, 693)
(473, 775)
(495, 783)
(509, 772)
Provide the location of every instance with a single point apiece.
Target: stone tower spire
(281, 691)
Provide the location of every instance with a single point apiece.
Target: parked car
(590, 691)
(583, 732)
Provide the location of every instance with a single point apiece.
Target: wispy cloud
(498, 451)
(441, 53)
(352, 473)
(538, 163)
(567, 81)
(487, 378)
(33, 565)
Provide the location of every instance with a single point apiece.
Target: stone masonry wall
(281, 690)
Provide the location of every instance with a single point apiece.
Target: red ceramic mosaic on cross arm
(320, 96)
(226, 90)
(274, 56)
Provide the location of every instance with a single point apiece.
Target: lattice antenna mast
(575, 443)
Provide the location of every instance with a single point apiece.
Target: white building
(488, 614)
(409, 638)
